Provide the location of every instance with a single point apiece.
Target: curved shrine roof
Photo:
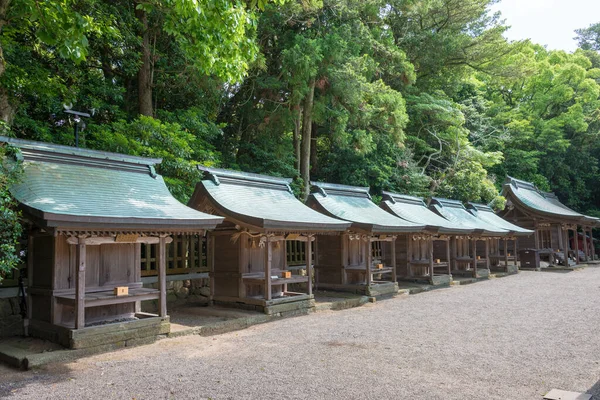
(260, 201)
(486, 214)
(527, 195)
(78, 188)
(456, 213)
(414, 209)
(353, 204)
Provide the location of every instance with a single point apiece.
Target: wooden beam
(161, 257)
(100, 240)
(80, 286)
(309, 266)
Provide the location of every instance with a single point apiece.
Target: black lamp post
(78, 120)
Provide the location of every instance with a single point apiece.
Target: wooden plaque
(127, 238)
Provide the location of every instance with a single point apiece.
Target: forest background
(424, 97)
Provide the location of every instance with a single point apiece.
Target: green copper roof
(259, 201)
(456, 213)
(68, 187)
(486, 214)
(413, 209)
(533, 199)
(354, 204)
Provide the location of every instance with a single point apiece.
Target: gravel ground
(510, 338)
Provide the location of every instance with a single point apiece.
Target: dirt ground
(511, 338)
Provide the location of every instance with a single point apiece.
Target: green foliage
(420, 97)
(10, 227)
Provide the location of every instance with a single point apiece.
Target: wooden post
(80, 284)
(506, 254)
(516, 260)
(210, 261)
(393, 255)
(593, 249)
(344, 239)
(368, 260)
(268, 260)
(454, 244)
(430, 244)
(162, 275)
(536, 236)
(566, 245)
(576, 245)
(585, 243)
(409, 255)
(309, 267)
(474, 250)
(487, 252)
(448, 256)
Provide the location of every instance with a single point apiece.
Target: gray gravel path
(510, 338)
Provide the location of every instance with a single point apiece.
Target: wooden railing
(185, 255)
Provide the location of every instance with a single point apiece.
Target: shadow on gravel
(12, 380)
(595, 391)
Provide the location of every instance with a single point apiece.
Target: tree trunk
(314, 162)
(7, 111)
(306, 139)
(145, 72)
(297, 112)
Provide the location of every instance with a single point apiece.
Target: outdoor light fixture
(78, 118)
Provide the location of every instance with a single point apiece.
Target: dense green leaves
(423, 97)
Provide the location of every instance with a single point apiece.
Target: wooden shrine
(470, 254)
(503, 251)
(248, 266)
(551, 221)
(364, 259)
(424, 256)
(88, 213)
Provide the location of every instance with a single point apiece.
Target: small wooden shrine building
(425, 255)
(470, 253)
(362, 260)
(87, 214)
(551, 221)
(248, 267)
(500, 256)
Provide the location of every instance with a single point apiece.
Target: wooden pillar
(344, 239)
(430, 251)
(409, 255)
(309, 266)
(368, 257)
(474, 250)
(566, 245)
(585, 244)
(536, 236)
(516, 259)
(80, 285)
(576, 245)
(506, 254)
(210, 260)
(487, 252)
(393, 255)
(268, 260)
(593, 249)
(161, 256)
(448, 256)
(454, 245)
